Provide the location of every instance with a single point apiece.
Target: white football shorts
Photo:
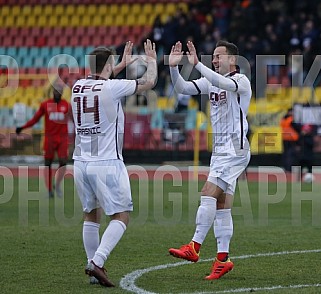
(225, 170)
(103, 184)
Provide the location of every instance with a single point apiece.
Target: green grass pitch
(42, 251)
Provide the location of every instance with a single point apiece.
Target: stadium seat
(80, 10)
(114, 9)
(37, 10)
(159, 9)
(70, 10)
(5, 11)
(48, 10)
(63, 21)
(92, 10)
(136, 9)
(125, 9)
(58, 10)
(108, 20)
(131, 20)
(42, 20)
(137, 131)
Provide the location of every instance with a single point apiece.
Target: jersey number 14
(85, 109)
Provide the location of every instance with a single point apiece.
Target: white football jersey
(228, 112)
(99, 117)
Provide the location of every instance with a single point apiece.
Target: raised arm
(126, 59)
(180, 85)
(148, 80)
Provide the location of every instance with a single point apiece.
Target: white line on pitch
(128, 282)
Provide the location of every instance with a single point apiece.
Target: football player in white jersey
(229, 94)
(100, 175)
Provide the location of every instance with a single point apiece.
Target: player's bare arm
(148, 80)
(127, 58)
(176, 54)
(191, 53)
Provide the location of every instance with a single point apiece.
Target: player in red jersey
(56, 111)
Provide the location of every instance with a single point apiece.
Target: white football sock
(223, 229)
(109, 240)
(90, 235)
(204, 218)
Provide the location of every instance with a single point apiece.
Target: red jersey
(56, 118)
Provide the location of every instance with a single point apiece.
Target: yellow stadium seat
(15, 10)
(114, 9)
(170, 8)
(85, 20)
(142, 20)
(48, 10)
(103, 10)
(64, 21)
(159, 8)
(183, 7)
(75, 21)
(26, 10)
(80, 9)
(42, 20)
(59, 9)
(125, 9)
(91, 10)
(119, 20)
(10, 21)
(107, 20)
(150, 20)
(5, 10)
(37, 10)
(20, 21)
(70, 10)
(96, 20)
(147, 8)
(131, 20)
(52, 21)
(136, 8)
(31, 20)
(164, 18)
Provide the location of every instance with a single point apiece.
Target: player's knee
(121, 216)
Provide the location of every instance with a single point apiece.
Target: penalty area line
(128, 281)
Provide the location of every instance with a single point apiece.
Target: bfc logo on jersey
(218, 99)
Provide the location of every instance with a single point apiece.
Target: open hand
(127, 54)
(176, 54)
(191, 54)
(150, 50)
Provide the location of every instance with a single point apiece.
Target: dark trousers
(289, 156)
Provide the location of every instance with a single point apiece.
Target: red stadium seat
(85, 40)
(80, 31)
(47, 31)
(7, 41)
(69, 31)
(74, 40)
(137, 131)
